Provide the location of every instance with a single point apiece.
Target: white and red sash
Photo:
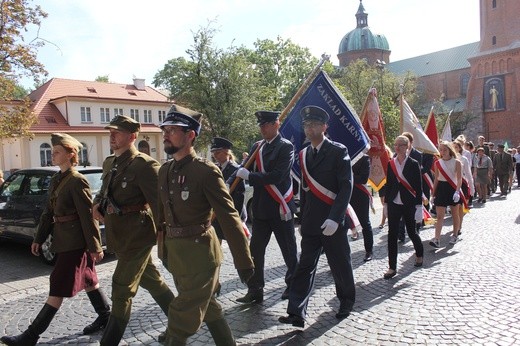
(428, 181)
(274, 192)
(402, 180)
(324, 194)
(364, 189)
(450, 178)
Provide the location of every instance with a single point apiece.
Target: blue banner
(344, 124)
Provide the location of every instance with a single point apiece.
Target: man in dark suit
(403, 199)
(225, 160)
(273, 202)
(503, 166)
(360, 202)
(325, 194)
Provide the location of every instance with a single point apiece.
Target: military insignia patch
(185, 194)
(123, 184)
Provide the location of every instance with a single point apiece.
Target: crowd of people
(189, 205)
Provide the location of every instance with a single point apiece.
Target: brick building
(480, 79)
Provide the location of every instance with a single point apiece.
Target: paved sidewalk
(464, 294)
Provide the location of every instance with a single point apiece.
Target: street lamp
(380, 65)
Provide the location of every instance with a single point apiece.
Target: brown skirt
(73, 272)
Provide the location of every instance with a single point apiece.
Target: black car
(23, 197)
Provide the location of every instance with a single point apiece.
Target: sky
(127, 39)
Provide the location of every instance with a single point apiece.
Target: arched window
(45, 155)
(144, 147)
(83, 155)
(464, 81)
(494, 3)
(494, 40)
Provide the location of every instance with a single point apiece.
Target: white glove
(456, 196)
(243, 173)
(329, 227)
(418, 213)
(385, 210)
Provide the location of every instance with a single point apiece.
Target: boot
(164, 301)
(114, 331)
(32, 334)
(221, 333)
(101, 306)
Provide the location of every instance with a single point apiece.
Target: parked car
(23, 197)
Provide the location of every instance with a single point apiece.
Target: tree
(102, 79)
(18, 59)
(358, 77)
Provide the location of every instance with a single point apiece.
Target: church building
(479, 79)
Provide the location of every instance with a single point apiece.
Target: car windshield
(94, 180)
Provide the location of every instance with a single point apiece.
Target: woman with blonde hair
(447, 191)
(76, 241)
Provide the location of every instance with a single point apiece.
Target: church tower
(494, 86)
(361, 43)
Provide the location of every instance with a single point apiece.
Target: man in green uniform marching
(125, 204)
(191, 189)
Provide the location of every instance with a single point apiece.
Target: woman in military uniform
(76, 241)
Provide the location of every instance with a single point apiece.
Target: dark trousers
(395, 213)
(284, 233)
(518, 173)
(360, 202)
(337, 250)
(503, 182)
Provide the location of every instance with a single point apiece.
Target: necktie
(480, 162)
(314, 153)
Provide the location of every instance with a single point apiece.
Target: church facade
(478, 80)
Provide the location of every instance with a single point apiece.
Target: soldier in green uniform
(76, 241)
(125, 203)
(190, 190)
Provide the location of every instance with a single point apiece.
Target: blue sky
(123, 39)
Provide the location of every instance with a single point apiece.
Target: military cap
(66, 141)
(124, 123)
(501, 146)
(314, 113)
(263, 117)
(180, 116)
(220, 143)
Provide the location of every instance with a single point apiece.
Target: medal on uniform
(123, 184)
(185, 194)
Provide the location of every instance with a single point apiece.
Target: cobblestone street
(464, 294)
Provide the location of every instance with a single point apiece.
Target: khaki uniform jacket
(74, 197)
(134, 184)
(189, 191)
(502, 163)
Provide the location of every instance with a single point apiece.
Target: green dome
(362, 37)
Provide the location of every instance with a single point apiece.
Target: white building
(82, 109)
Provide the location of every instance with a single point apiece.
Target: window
(46, 155)
(85, 115)
(147, 116)
(494, 40)
(134, 114)
(494, 3)
(118, 111)
(464, 81)
(162, 116)
(104, 114)
(83, 155)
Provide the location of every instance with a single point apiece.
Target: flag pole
(305, 85)
(401, 87)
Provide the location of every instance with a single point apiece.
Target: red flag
(431, 129)
(372, 122)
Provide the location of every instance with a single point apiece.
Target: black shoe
(294, 320)
(162, 337)
(98, 324)
(368, 257)
(343, 312)
(390, 274)
(285, 294)
(26, 338)
(252, 297)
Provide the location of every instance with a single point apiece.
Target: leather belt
(127, 209)
(66, 218)
(187, 231)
